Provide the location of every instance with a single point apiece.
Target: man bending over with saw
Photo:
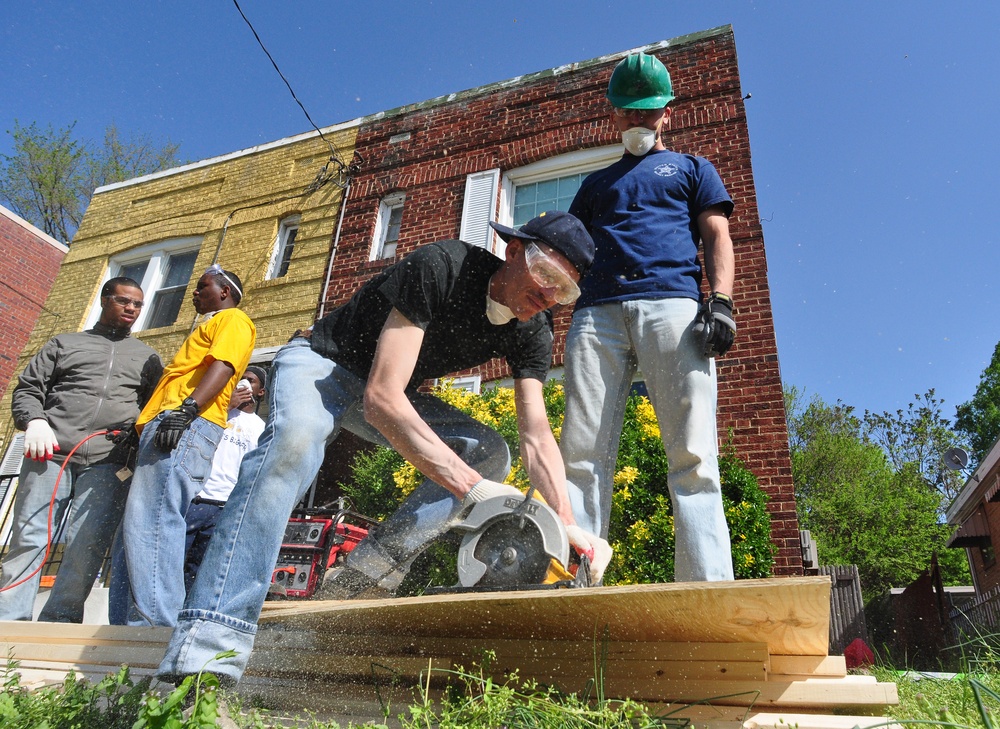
(445, 307)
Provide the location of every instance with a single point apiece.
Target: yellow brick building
(260, 212)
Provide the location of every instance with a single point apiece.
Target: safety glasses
(216, 270)
(125, 301)
(550, 275)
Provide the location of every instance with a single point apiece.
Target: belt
(210, 502)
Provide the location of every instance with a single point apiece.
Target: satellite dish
(955, 459)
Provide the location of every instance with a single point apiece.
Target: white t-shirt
(242, 432)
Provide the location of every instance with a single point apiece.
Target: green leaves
(50, 177)
(869, 490)
(979, 418)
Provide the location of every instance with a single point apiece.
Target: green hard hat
(640, 81)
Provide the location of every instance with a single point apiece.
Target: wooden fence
(847, 610)
(979, 615)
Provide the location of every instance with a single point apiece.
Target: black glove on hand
(173, 425)
(720, 327)
(123, 433)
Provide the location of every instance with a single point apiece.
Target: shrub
(642, 529)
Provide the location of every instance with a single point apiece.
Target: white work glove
(598, 551)
(487, 490)
(39, 440)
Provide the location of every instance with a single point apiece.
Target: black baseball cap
(561, 231)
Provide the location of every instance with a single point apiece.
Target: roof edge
(17, 219)
(428, 104)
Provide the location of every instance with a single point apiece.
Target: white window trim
(472, 383)
(478, 208)
(280, 241)
(385, 207)
(152, 279)
(571, 163)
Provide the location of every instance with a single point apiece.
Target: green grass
(472, 701)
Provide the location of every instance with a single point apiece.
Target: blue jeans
(95, 499)
(201, 519)
(154, 530)
(311, 398)
(605, 347)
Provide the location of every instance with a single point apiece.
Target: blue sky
(873, 128)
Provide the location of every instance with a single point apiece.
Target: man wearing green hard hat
(642, 309)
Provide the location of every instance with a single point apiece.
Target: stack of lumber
(749, 653)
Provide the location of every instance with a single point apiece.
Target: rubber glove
(489, 489)
(597, 550)
(39, 440)
(719, 325)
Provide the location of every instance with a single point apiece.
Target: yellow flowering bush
(642, 524)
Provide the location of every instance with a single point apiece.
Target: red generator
(311, 544)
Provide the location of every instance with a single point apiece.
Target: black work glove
(173, 425)
(126, 444)
(719, 326)
(123, 433)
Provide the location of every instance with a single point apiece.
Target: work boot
(347, 583)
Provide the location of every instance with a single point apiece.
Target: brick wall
(29, 260)
(254, 190)
(512, 124)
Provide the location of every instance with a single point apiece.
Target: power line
(323, 176)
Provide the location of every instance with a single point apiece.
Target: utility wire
(323, 177)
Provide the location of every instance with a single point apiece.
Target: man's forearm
(408, 433)
(215, 379)
(544, 465)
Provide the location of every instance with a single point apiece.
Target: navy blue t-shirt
(643, 215)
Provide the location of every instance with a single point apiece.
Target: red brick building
(29, 261)
(506, 151)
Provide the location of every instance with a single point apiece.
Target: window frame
(157, 256)
(286, 227)
(562, 165)
(386, 206)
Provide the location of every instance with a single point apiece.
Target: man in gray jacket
(78, 384)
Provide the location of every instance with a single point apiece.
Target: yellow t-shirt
(228, 336)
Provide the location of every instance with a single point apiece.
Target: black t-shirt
(441, 288)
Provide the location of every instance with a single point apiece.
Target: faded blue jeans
(311, 398)
(154, 530)
(95, 498)
(605, 346)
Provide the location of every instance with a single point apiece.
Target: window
(390, 215)
(164, 271)
(533, 198)
(469, 383)
(525, 192)
(987, 554)
(284, 247)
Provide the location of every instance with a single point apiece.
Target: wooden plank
(733, 717)
(11, 631)
(790, 614)
(89, 670)
(84, 654)
(807, 666)
(273, 663)
(319, 640)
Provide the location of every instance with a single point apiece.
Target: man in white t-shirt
(243, 429)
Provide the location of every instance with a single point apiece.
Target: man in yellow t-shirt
(180, 428)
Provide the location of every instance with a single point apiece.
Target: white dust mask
(639, 140)
(496, 312)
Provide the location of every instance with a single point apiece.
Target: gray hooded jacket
(83, 382)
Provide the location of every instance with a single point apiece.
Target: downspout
(333, 250)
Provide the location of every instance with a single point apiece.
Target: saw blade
(513, 551)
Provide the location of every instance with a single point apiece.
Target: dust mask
(497, 313)
(639, 140)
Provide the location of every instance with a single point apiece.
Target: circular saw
(511, 543)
